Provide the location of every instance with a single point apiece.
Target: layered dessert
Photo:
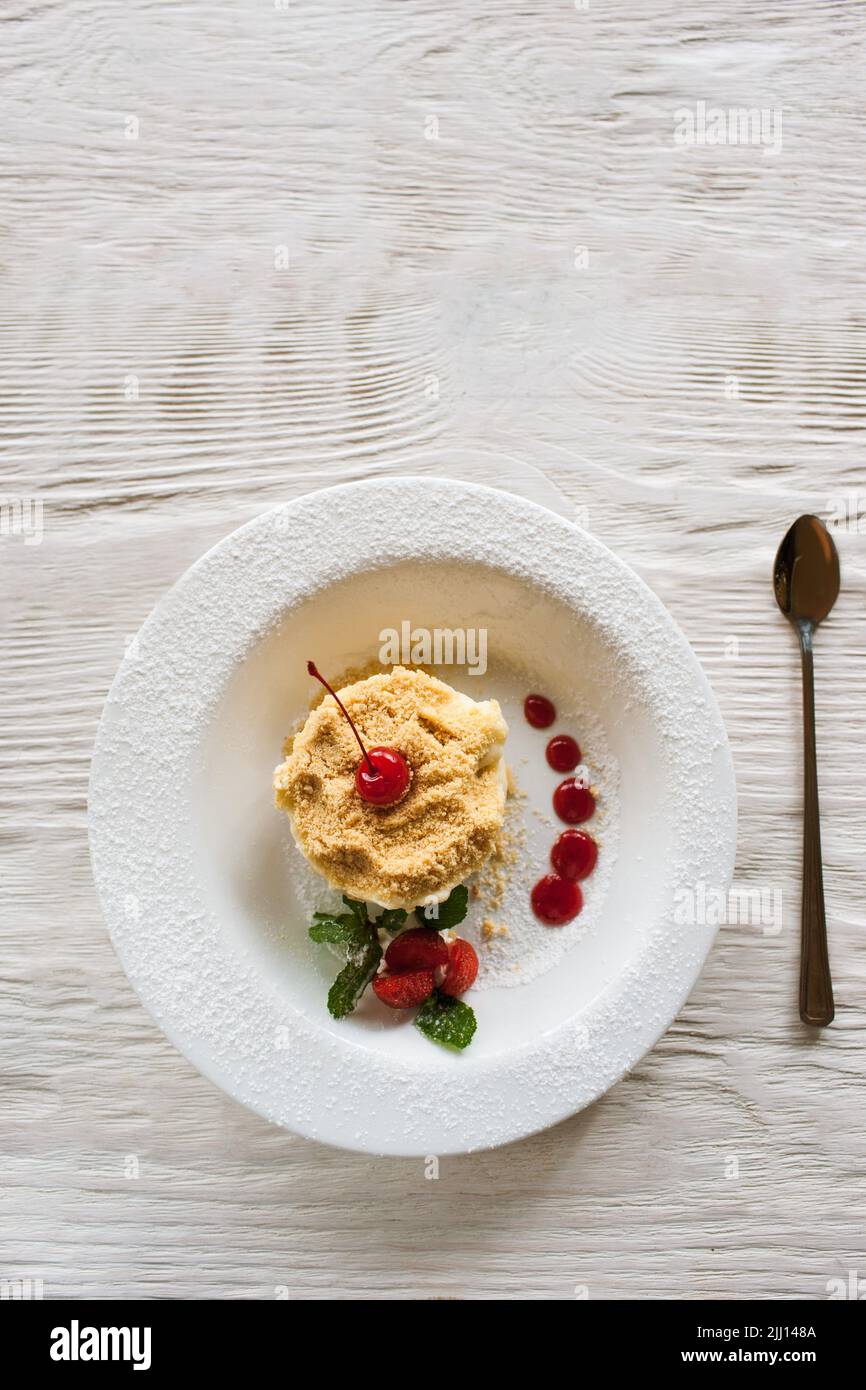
(419, 808)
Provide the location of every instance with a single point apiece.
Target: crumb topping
(491, 929)
(445, 827)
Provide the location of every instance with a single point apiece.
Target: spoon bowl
(806, 572)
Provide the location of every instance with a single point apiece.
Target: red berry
(421, 948)
(540, 712)
(461, 969)
(573, 802)
(574, 854)
(563, 753)
(404, 991)
(389, 781)
(556, 900)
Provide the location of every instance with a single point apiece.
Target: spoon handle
(816, 987)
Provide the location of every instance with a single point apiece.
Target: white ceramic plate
(203, 891)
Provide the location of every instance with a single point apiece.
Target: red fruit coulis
(540, 712)
(563, 753)
(574, 854)
(556, 898)
(572, 802)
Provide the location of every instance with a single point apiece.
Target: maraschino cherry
(383, 774)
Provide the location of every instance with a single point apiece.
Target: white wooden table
(246, 244)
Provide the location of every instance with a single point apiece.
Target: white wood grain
(434, 300)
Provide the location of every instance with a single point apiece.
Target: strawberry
(404, 991)
(461, 969)
(421, 948)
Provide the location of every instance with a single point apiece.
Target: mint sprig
(447, 1021)
(445, 915)
(355, 931)
(353, 979)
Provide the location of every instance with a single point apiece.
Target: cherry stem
(314, 671)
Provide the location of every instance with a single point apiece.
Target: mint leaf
(344, 930)
(392, 920)
(354, 978)
(357, 909)
(442, 916)
(447, 1021)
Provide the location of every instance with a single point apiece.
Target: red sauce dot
(563, 753)
(556, 900)
(574, 854)
(540, 712)
(572, 802)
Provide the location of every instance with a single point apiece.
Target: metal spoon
(806, 584)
